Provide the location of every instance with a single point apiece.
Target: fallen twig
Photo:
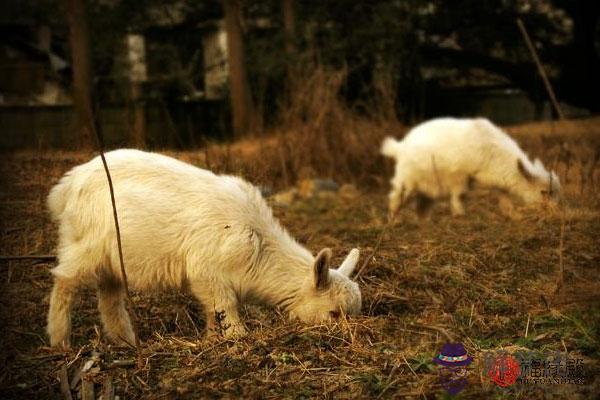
(560, 280)
(409, 367)
(121, 364)
(435, 328)
(76, 377)
(108, 389)
(87, 390)
(63, 377)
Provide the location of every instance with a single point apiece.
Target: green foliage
(373, 384)
(497, 306)
(423, 363)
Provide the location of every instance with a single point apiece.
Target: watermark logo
(452, 366)
(533, 368)
(507, 370)
(504, 370)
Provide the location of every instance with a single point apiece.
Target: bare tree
(135, 48)
(241, 101)
(289, 31)
(82, 73)
(289, 26)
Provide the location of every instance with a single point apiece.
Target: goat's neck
(283, 274)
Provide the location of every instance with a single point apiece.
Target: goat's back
(168, 211)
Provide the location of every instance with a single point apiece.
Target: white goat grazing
(446, 156)
(187, 228)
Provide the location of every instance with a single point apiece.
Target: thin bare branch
(384, 230)
(541, 70)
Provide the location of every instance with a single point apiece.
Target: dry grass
(318, 136)
(478, 280)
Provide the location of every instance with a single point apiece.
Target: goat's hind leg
(113, 313)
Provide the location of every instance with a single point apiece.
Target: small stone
(285, 198)
(349, 191)
(88, 365)
(308, 188)
(266, 191)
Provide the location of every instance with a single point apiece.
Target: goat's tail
(391, 147)
(59, 197)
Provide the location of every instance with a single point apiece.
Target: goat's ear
(524, 171)
(321, 269)
(349, 263)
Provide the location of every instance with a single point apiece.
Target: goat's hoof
(235, 332)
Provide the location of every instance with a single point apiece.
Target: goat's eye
(334, 314)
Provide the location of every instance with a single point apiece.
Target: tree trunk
(289, 32)
(138, 118)
(289, 26)
(136, 70)
(241, 102)
(82, 82)
(580, 77)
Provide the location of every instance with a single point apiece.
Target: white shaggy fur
(187, 228)
(443, 157)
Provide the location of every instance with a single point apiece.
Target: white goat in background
(446, 156)
(187, 228)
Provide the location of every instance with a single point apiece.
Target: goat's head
(538, 184)
(327, 293)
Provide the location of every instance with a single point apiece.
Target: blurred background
(185, 73)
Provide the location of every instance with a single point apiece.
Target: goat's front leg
(398, 197)
(59, 317)
(113, 313)
(222, 310)
(456, 203)
(424, 206)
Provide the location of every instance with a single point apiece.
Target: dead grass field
(486, 280)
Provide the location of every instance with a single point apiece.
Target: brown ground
(486, 280)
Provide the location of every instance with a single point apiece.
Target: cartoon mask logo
(453, 361)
